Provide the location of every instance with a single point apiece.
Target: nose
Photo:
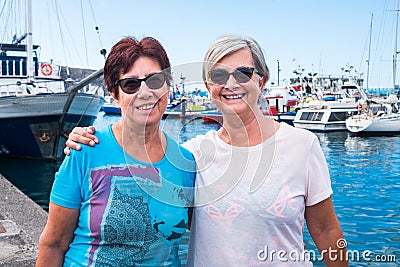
(144, 91)
(231, 82)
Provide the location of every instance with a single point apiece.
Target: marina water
(365, 174)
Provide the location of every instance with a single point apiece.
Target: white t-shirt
(250, 201)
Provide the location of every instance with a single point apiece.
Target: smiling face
(234, 97)
(146, 106)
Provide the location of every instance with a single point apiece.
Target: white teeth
(234, 96)
(146, 107)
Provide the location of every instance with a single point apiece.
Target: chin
(152, 119)
(237, 107)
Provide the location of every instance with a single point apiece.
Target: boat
(380, 115)
(109, 107)
(190, 105)
(187, 108)
(37, 110)
(377, 117)
(331, 111)
(178, 113)
(280, 103)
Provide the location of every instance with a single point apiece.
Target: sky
(318, 36)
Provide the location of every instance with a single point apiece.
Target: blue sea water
(365, 174)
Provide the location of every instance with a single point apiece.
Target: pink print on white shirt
(284, 205)
(230, 211)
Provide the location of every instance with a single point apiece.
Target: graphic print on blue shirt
(128, 221)
(121, 223)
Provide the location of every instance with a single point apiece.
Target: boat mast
(369, 49)
(395, 47)
(29, 45)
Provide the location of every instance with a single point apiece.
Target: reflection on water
(365, 174)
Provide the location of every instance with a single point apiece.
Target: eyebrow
(136, 77)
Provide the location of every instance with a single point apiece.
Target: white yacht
(331, 111)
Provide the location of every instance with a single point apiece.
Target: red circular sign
(46, 69)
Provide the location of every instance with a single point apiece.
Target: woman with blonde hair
(257, 180)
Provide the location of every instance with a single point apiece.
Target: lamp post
(183, 98)
(183, 78)
(279, 70)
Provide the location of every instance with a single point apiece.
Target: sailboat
(379, 116)
(37, 112)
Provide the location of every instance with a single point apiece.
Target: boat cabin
(13, 60)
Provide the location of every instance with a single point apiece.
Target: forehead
(143, 66)
(242, 57)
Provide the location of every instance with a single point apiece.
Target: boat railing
(18, 87)
(318, 104)
(15, 66)
(11, 90)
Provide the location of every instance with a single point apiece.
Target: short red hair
(125, 53)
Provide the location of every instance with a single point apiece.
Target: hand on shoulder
(80, 135)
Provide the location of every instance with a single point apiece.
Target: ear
(116, 102)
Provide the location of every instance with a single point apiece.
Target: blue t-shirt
(132, 213)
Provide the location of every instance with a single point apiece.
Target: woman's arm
(80, 135)
(325, 230)
(57, 235)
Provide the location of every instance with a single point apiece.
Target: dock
(177, 114)
(21, 224)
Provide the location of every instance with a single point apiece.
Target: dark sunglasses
(242, 75)
(132, 85)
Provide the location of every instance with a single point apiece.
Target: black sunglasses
(242, 75)
(132, 85)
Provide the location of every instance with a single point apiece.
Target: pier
(21, 223)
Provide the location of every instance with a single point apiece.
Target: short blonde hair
(228, 44)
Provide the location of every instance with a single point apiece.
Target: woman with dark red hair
(125, 202)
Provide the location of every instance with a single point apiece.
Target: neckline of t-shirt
(255, 147)
(126, 154)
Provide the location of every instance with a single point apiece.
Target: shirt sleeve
(318, 179)
(66, 191)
